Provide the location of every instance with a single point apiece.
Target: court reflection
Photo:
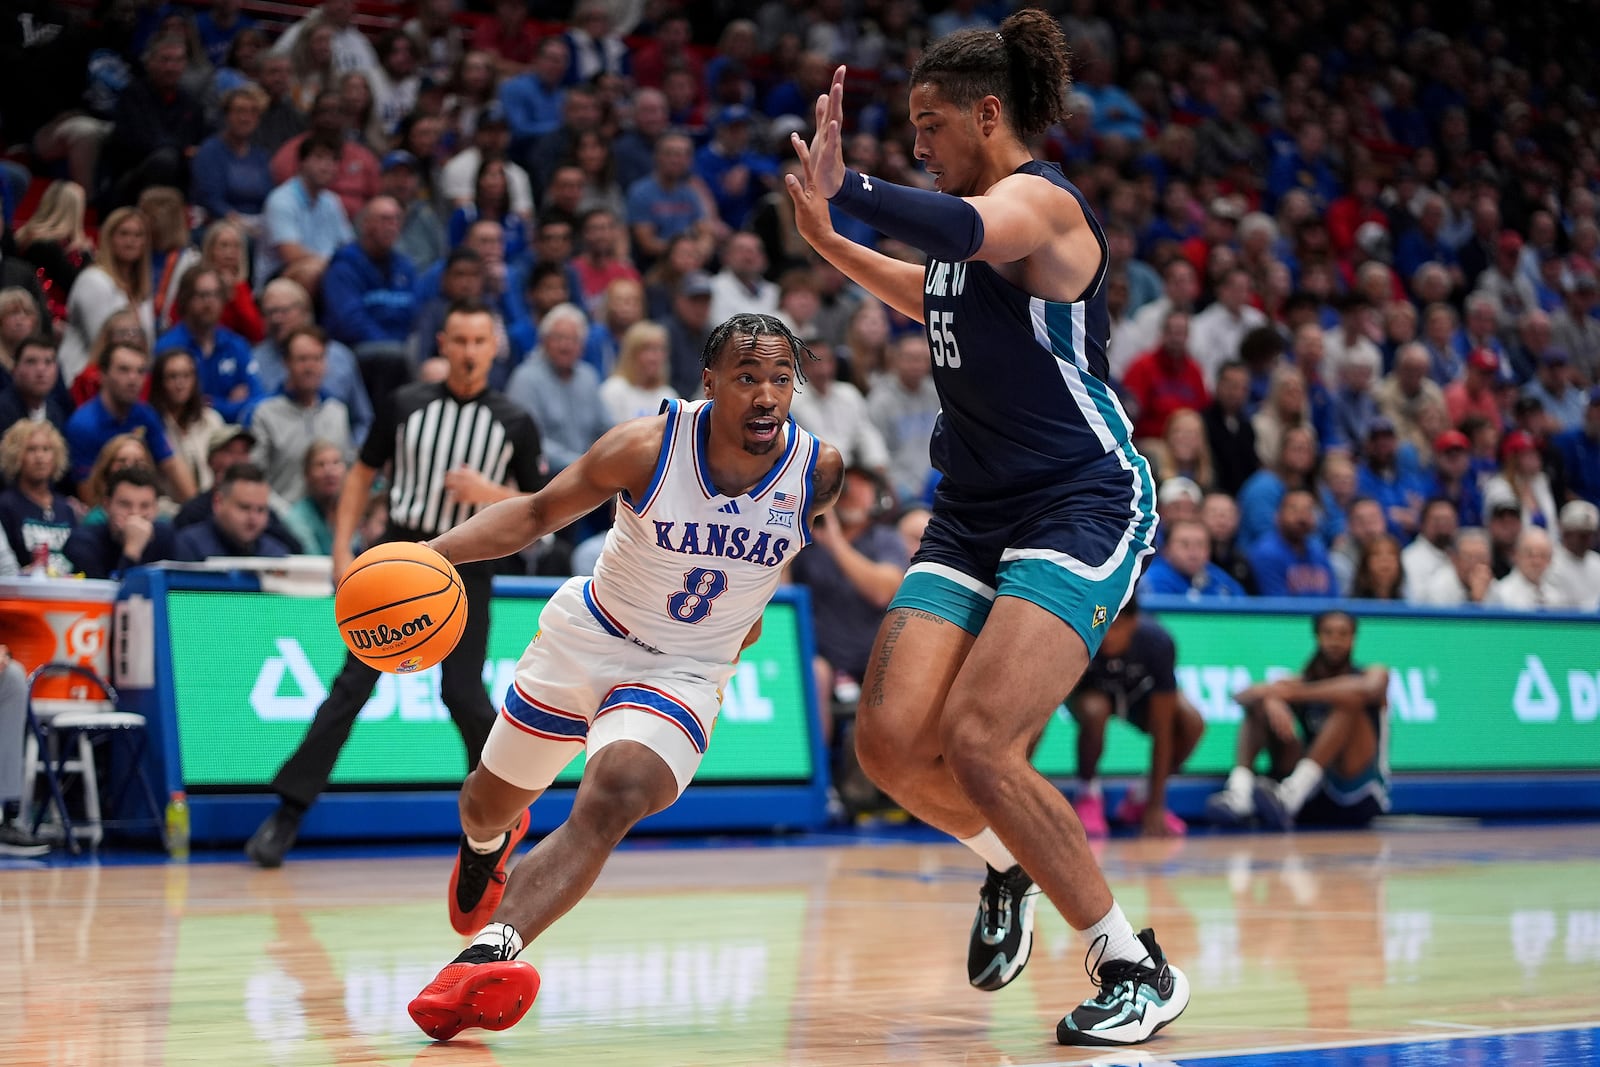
(806, 956)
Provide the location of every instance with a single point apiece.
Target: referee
(454, 444)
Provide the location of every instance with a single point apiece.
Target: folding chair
(61, 740)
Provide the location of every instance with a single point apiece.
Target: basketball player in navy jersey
(714, 499)
(1045, 512)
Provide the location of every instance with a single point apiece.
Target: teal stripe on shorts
(947, 593)
(1086, 604)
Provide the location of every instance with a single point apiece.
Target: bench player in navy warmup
(1133, 678)
(1045, 512)
(1335, 771)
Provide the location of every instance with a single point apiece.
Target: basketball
(401, 607)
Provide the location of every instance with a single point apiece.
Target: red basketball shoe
(477, 988)
(479, 880)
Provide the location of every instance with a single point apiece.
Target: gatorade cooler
(58, 620)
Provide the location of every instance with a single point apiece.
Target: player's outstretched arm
(623, 459)
(1014, 218)
(896, 283)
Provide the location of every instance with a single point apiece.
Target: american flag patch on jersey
(781, 510)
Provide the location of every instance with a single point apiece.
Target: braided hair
(750, 326)
(1026, 66)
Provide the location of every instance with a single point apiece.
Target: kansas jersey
(1022, 380)
(687, 570)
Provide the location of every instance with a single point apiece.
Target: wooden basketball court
(849, 951)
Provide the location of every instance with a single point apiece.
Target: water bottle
(41, 561)
(178, 826)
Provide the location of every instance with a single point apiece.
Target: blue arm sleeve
(946, 227)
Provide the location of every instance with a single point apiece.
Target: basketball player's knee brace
(946, 227)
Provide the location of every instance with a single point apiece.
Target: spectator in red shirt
(356, 179)
(669, 49)
(1348, 212)
(600, 259)
(510, 37)
(1165, 379)
(1476, 394)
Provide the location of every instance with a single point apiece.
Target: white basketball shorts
(580, 687)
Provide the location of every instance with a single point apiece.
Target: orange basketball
(401, 607)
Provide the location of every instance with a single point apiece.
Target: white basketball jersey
(687, 570)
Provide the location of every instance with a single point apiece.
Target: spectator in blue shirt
(240, 511)
(1116, 114)
(369, 298)
(217, 26)
(491, 201)
(1580, 453)
(1263, 491)
(1424, 243)
(303, 221)
(1184, 567)
(737, 176)
(667, 202)
(132, 535)
(1407, 124)
(1400, 493)
(232, 175)
(1306, 167)
(1451, 477)
(117, 409)
(222, 357)
(1290, 561)
(532, 101)
(1480, 331)
(369, 292)
(1552, 387)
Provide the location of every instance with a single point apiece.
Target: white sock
(1301, 783)
(483, 848)
(1241, 781)
(1088, 787)
(502, 938)
(1120, 941)
(989, 848)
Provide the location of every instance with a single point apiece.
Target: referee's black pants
(305, 774)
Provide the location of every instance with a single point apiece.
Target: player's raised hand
(824, 157)
(810, 190)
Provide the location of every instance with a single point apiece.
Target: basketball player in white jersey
(628, 666)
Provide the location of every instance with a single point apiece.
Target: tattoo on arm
(891, 637)
(830, 480)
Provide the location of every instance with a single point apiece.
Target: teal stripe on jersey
(1063, 325)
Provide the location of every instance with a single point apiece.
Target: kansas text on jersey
(688, 570)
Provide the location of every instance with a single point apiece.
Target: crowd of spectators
(1354, 264)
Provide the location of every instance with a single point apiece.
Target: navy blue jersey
(1313, 714)
(1146, 667)
(1022, 380)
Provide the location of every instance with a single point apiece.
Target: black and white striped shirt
(428, 431)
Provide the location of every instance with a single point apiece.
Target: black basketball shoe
(1002, 932)
(1135, 1000)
